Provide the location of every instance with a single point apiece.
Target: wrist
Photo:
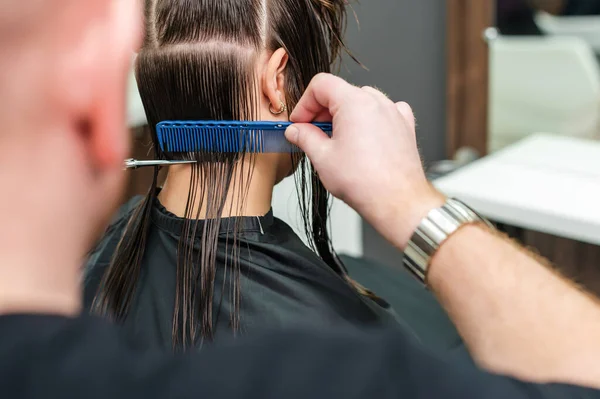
(409, 213)
(429, 200)
(433, 232)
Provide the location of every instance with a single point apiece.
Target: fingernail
(292, 133)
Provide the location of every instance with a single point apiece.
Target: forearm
(516, 315)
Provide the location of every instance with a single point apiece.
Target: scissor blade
(159, 162)
(134, 163)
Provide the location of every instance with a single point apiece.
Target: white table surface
(544, 183)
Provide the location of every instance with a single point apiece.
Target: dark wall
(402, 42)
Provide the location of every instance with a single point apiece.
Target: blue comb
(227, 136)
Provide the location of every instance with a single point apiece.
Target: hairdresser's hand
(371, 162)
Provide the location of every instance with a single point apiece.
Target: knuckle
(391, 107)
(370, 91)
(375, 91)
(366, 97)
(404, 106)
(321, 77)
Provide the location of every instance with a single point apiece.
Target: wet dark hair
(199, 62)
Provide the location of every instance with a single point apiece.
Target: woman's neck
(250, 190)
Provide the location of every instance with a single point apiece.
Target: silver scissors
(134, 163)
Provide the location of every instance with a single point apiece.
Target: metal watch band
(433, 230)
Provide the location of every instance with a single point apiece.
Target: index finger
(321, 99)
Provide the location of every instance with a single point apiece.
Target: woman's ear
(274, 79)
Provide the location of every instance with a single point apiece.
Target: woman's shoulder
(112, 234)
(281, 233)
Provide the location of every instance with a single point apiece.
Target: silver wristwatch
(433, 230)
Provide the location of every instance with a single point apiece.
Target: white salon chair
(542, 84)
(583, 27)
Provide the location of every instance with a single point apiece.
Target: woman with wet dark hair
(203, 256)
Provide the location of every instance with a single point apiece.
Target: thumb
(311, 139)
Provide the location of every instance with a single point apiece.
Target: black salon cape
(52, 357)
(283, 283)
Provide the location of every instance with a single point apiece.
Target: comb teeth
(227, 137)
